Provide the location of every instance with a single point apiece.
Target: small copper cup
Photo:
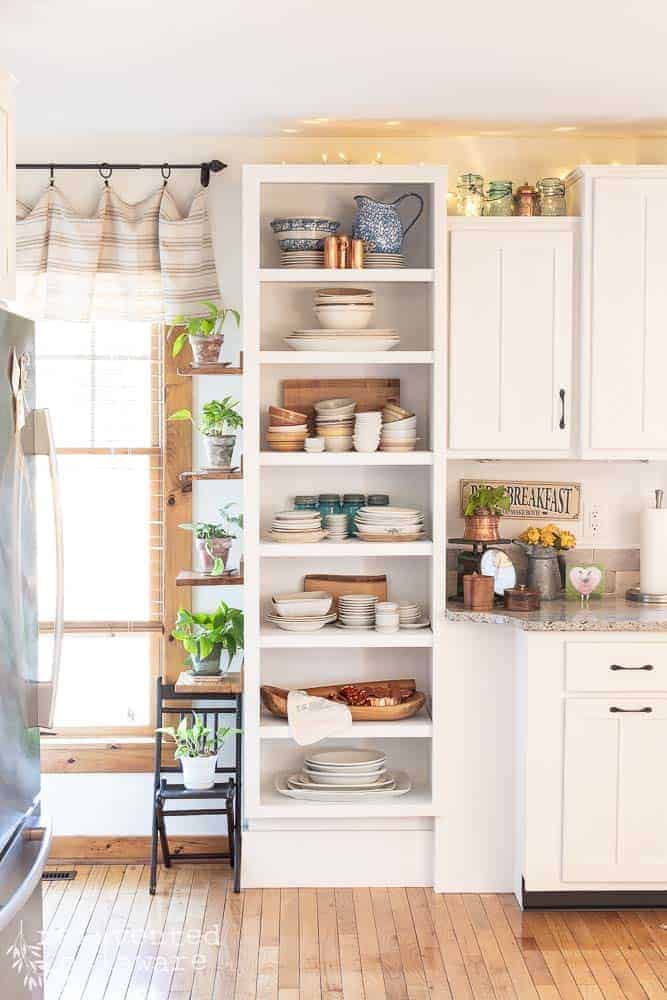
(357, 254)
(331, 251)
(343, 251)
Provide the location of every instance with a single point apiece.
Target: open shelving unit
(276, 301)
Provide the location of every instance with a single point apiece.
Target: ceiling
(349, 67)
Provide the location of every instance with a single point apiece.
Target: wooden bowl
(284, 418)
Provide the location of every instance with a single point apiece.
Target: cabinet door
(510, 341)
(7, 189)
(628, 351)
(614, 798)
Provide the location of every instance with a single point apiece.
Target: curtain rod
(105, 170)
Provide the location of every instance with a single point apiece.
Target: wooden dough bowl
(275, 701)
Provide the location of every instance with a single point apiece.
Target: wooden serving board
(338, 585)
(301, 394)
(275, 701)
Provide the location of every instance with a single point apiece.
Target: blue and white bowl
(301, 244)
(309, 223)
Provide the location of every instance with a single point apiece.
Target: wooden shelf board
(328, 458)
(189, 578)
(289, 357)
(272, 637)
(220, 684)
(369, 275)
(342, 550)
(186, 477)
(419, 726)
(218, 369)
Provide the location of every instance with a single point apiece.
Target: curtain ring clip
(165, 170)
(105, 172)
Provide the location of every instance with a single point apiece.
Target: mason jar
(470, 194)
(552, 196)
(377, 500)
(352, 502)
(306, 503)
(499, 200)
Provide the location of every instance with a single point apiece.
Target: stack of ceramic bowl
(344, 775)
(409, 613)
(301, 239)
(399, 429)
(344, 308)
(314, 446)
(389, 524)
(373, 259)
(297, 526)
(357, 611)
(287, 429)
(336, 526)
(334, 421)
(302, 612)
(367, 428)
(386, 617)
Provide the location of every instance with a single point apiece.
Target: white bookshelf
(275, 300)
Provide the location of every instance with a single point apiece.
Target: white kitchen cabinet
(623, 309)
(511, 336)
(7, 189)
(614, 805)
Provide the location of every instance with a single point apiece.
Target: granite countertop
(607, 614)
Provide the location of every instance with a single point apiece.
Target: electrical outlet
(595, 520)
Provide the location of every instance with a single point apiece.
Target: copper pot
(482, 528)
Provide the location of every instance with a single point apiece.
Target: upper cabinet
(623, 309)
(7, 189)
(511, 336)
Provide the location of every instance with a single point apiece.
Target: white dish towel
(313, 719)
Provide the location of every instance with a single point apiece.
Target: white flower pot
(199, 772)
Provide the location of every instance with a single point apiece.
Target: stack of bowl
(344, 308)
(386, 617)
(334, 421)
(399, 429)
(297, 526)
(301, 612)
(301, 239)
(287, 429)
(367, 427)
(357, 611)
(409, 613)
(336, 526)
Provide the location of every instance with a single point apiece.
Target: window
(102, 383)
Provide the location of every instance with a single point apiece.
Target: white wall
(120, 804)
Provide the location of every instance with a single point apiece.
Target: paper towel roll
(653, 554)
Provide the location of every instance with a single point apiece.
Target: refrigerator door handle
(9, 910)
(37, 439)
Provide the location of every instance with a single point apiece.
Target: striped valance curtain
(143, 261)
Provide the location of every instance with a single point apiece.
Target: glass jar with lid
(499, 200)
(306, 503)
(526, 200)
(329, 503)
(470, 194)
(378, 500)
(352, 502)
(552, 196)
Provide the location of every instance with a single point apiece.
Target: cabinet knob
(646, 708)
(617, 666)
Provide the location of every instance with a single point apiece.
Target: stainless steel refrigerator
(27, 687)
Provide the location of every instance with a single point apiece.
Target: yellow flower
(547, 538)
(567, 540)
(552, 529)
(531, 536)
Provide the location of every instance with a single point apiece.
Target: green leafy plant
(215, 417)
(202, 326)
(225, 529)
(200, 633)
(196, 740)
(493, 500)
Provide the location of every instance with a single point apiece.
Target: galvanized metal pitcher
(543, 571)
(378, 222)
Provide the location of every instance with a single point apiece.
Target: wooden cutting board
(338, 585)
(301, 394)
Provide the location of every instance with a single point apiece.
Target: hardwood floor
(107, 939)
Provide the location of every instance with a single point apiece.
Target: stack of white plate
(374, 259)
(336, 527)
(302, 258)
(367, 427)
(340, 775)
(357, 611)
(389, 524)
(297, 526)
(302, 612)
(344, 308)
(343, 340)
(409, 613)
(334, 421)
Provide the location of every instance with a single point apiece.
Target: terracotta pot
(199, 772)
(220, 450)
(206, 350)
(208, 549)
(482, 528)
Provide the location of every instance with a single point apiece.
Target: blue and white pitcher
(378, 222)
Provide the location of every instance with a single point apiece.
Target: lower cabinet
(592, 800)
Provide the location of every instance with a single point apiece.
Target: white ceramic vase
(199, 772)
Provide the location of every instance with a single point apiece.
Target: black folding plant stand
(228, 791)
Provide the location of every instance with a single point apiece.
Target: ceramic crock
(199, 772)
(219, 450)
(378, 223)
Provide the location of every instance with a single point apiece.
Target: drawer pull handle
(645, 709)
(561, 422)
(617, 666)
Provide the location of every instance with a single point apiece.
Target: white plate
(402, 787)
(322, 779)
(414, 625)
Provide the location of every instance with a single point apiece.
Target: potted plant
(543, 548)
(210, 640)
(213, 541)
(483, 511)
(197, 751)
(218, 418)
(204, 333)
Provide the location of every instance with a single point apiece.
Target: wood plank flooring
(107, 939)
